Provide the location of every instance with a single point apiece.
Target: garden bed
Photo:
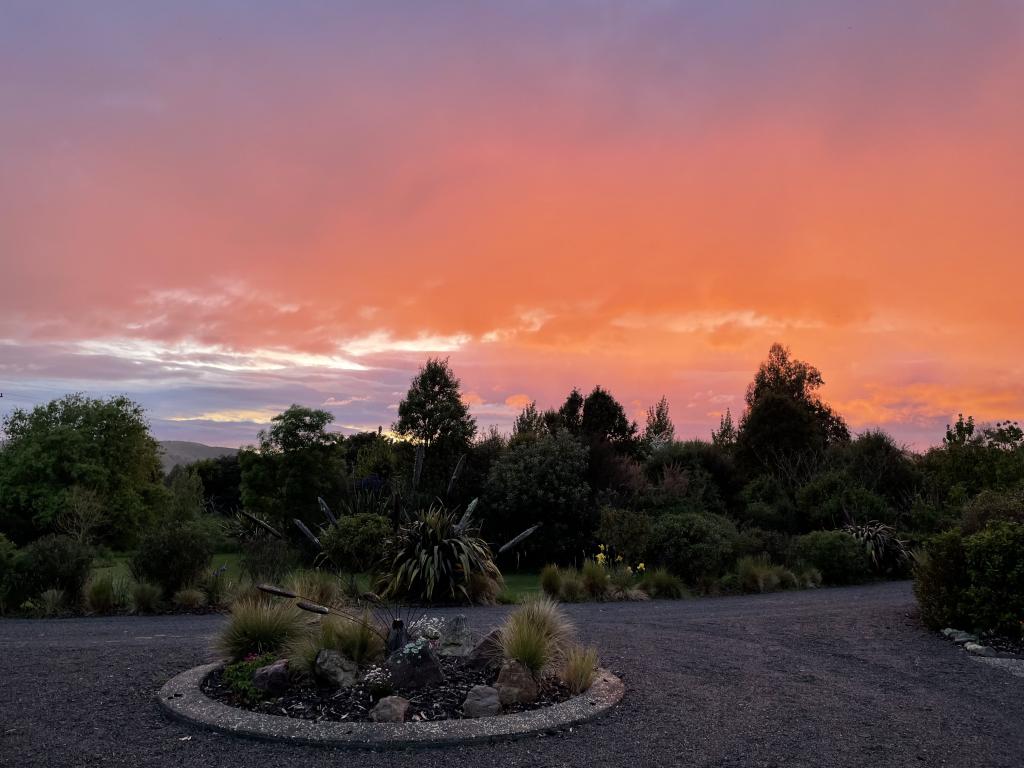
(441, 701)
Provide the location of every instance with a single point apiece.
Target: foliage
(103, 446)
(433, 558)
(51, 603)
(659, 430)
(604, 420)
(660, 584)
(296, 462)
(838, 555)
(886, 551)
(995, 577)
(573, 590)
(8, 558)
(626, 532)
(940, 581)
(53, 562)
(529, 423)
(538, 634)
(266, 558)
(83, 515)
(833, 499)
(215, 586)
(258, 626)
(104, 594)
(145, 597)
(579, 668)
(693, 545)
(172, 556)
(991, 505)
(767, 503)
(222, 480)
(359, 638)
(433, 411)
(595, 579)
(186, 499)
(356, 543)
(238, 677)
(551, 581)
(726, 434)
(189, 598)
(541, 480)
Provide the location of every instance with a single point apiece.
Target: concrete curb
(182, 699)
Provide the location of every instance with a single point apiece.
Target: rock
(457, 638)
(415, 665)
(390, 709)
(979, 650)
(273, 678)
(482, 701)
(336, 670)
(516, 684)
(949, 632)
(486, 653)
(960, 638)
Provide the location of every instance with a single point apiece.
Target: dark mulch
(437, 702)
(1008, 646)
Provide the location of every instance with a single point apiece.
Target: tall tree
(95, 445)
(432, 412)
(659, 431)
(604, 420)
(725, 435)
(529, 423)
(296, 461)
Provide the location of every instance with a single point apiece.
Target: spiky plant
(260, 627)
(579, 668)
(887, 552)
(435, 556)
(538, 635)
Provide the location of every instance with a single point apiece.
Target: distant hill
(174, 452)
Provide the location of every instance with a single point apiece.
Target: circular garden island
(372, 674)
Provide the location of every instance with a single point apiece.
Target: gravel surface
(835, 677)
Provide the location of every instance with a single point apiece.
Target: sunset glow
(223, 212)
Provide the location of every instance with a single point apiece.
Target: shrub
(172, 556)
(579, 668)
(995, 574)
(694, 545)
(238, 677)
(661, 584)
(321, 587)
(189, 598)
(484, 590)
(991, 505)
(435, 558)
(145, 597)
(537, 635)
(760, 574)
(8, 556)
(355, 544)
(838, 555)
(807, 577)
(54, 562)
(572, 587)
(595, 579)
(621, 578)
(265, 558)
(104, 595)
(551, 581)
(625, 531)
(260, 627)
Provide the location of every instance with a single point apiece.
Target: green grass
(519, 585)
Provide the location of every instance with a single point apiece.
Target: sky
(224, 208)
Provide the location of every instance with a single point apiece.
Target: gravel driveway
(834, 677)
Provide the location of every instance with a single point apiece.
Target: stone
(516, 684)
(961, 638)
(979, 650)
(336, 670)
(457, 638)
(273, 678)
(949, 632)
(390, 709)
(482, 701)
(487, 653)
(415, 665)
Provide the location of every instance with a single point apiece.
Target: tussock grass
(551, 581)
(260, 627)
(321, 587)
(189, 598)
(662, 585)
(579, 668)
(538, 634)
(595, 579)
(145, 597)
(104, 595)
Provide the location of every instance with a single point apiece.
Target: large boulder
(516, 684)
(486, 654)
(390, 709)
(415, 665)
(336, 670)
(457, 638)
(482, 701)
(272, 679)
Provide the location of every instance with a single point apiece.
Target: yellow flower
(600, 547)
(600, 558)
(641, 568)
(618, 558)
